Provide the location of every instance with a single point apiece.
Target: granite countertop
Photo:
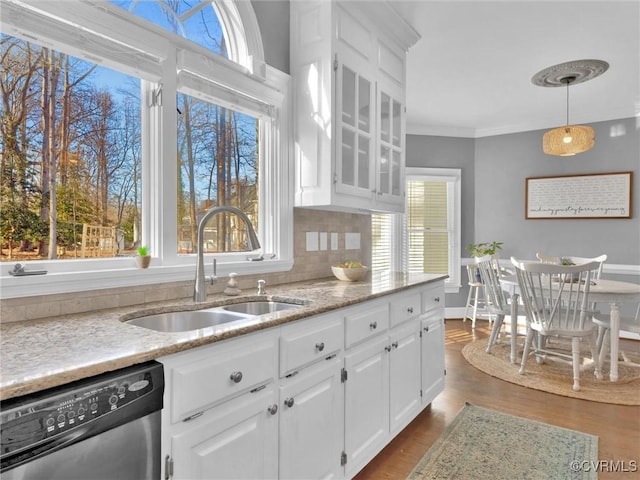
(39, 354)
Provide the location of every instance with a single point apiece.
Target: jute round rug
(556, 377)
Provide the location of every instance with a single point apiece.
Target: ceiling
(470, 73)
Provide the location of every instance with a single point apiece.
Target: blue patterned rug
(484, 444)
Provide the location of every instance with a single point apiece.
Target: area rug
(482, 443)
(555, 377)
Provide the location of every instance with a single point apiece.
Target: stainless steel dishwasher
(103, 427)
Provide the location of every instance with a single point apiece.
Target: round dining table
(613, 292)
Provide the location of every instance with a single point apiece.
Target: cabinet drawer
(403, 307)
(433, 298)
(365, 322)
(311, 340)
(213, 373)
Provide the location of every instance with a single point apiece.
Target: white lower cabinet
(432, 352)
(404, 375)
(314, 399)
(236, 440)
(311, 419)
(382, 392)
(366, 394)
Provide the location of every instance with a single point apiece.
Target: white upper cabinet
(348, 62)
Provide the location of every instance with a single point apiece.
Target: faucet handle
(261, 289)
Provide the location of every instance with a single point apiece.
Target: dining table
(612, 292)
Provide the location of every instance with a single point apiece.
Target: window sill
(100, 279)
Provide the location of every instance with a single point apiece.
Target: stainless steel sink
(260, 307)
(186, 321)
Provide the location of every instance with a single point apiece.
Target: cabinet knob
(410, 309)
(272, 409)
(426, 329)
(387, 348)
(437, 299)
(394, 344)
(236, 377)
(373, 325)
(320, 346)
(289, 402)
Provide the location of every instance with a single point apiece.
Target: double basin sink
(184, 321)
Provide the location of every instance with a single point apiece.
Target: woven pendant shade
(568, 140)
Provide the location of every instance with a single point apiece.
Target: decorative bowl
(349, 274)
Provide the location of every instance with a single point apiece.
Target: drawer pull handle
(394, 344)
(437, 299)
(426, 329)
(272, 409)
(387, 348)
(373, 325)
(410, 309)
(289, 402)
(320, 346)
(236, 377)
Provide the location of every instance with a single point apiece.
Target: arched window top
(227, 28)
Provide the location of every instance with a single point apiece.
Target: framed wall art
(591, 195)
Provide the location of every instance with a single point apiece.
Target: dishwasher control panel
(37, 418)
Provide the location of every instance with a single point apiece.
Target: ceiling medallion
(570, 139)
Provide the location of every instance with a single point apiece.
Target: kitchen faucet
(200, 288)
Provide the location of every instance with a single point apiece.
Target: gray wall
(502, 164)
(493, 181)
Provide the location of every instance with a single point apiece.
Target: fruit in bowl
(349, 271)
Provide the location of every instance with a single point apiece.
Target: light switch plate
(323, 240)
(334, 240)
(312, 241)
(352, 241)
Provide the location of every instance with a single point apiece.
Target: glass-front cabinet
(348, 64)
(390, 184)
(355, 136)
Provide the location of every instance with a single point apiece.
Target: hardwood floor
(617, 426)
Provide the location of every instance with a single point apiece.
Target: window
(158, 129)
(429, 231)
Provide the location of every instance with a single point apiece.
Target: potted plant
(482, 249)
(143, 259)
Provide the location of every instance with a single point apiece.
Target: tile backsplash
(329, 228)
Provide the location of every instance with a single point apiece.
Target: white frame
(58, 25)
(454, 178)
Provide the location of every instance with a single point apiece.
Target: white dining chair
(556, 299)
(497, 302)
(476, 298)
(603, 340)
(555, 260)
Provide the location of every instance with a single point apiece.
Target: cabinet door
(311, 406)
(404, 375)
(432, 357)
(236, 440)
(354, 131)
(366, 402)
(389, 157)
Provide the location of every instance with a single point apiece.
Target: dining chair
(545, 258)
(497, 302)
(556, 299)
(627, 323)
(476, 298)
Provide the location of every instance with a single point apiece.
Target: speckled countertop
(40, 354)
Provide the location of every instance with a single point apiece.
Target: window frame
(59, 25)
(398, 257)
(453, 177)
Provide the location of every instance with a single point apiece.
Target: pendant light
(570, 139)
